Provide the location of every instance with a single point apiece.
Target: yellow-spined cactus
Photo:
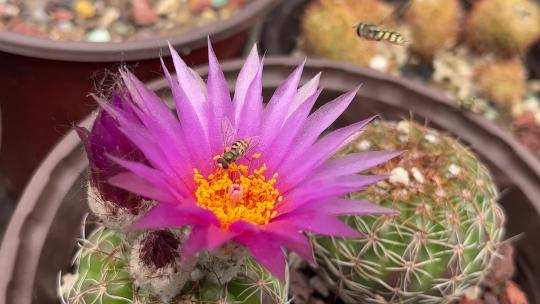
(504, 27)
(327, 28)
(435, 25)
(501, 81)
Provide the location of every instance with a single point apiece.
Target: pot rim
(138, 49)
(29, 225)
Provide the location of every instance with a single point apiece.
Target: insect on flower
(295, 186)
(233, 150)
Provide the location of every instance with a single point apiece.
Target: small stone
(363, 145)
(38, 14)
(110, 15)
(142, 13)
(502, 267)
(8, 10)
(219, 3)
(473, 293)
(61, 14)
(399, 176)
(432, 138)
(21, 27)
(418, 176)
(199, 5)
(84, 9)
(512, 294)
(122, 29)
(404, 126)
(98, 35)
(208, 16)
(454, 170)
(379, 63)
(166, 7)
(65, 26)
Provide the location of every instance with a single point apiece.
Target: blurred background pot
(52, 206)
(44, 83)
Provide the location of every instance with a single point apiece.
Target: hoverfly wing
(228, 132)
(252, 141)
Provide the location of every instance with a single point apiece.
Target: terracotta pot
(44, 83)
(45, 225)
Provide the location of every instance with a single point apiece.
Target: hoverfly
(375, 32)
(233, 149)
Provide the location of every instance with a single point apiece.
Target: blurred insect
(233, 150)
(375, 32)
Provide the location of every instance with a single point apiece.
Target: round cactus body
(328, 31)
(108, 274)
(502, 81)
(507, 28)
(434, 25)
(103, 274)
(445, 232)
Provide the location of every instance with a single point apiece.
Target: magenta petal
(290, 237)
(196, 242)
(189, 85)
(136, 184)
(217, 237)
(295, 170)
(219, 102)
(251, 113)
(192, 127)
(245, 78)
(353, 163)
(319, 223)
(320, 120)
(276, 110)
(281, 144)
(342, 206)
(318, 189)
(304, 93)
(172, 216)
(155, 177)
(266, 251)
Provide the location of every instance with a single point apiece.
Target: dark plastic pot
(45, 225)
(44, 83)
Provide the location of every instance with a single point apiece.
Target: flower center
(238, 193)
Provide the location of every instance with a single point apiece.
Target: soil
(110, 20)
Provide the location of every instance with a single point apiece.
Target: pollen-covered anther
(238, 193)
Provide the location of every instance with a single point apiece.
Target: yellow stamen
(253, 200)
(256, 155)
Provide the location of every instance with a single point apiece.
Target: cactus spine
(442, 240)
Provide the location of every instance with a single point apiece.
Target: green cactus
(506, 28)
(434, 25)
(444, 236)
(103, 277)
